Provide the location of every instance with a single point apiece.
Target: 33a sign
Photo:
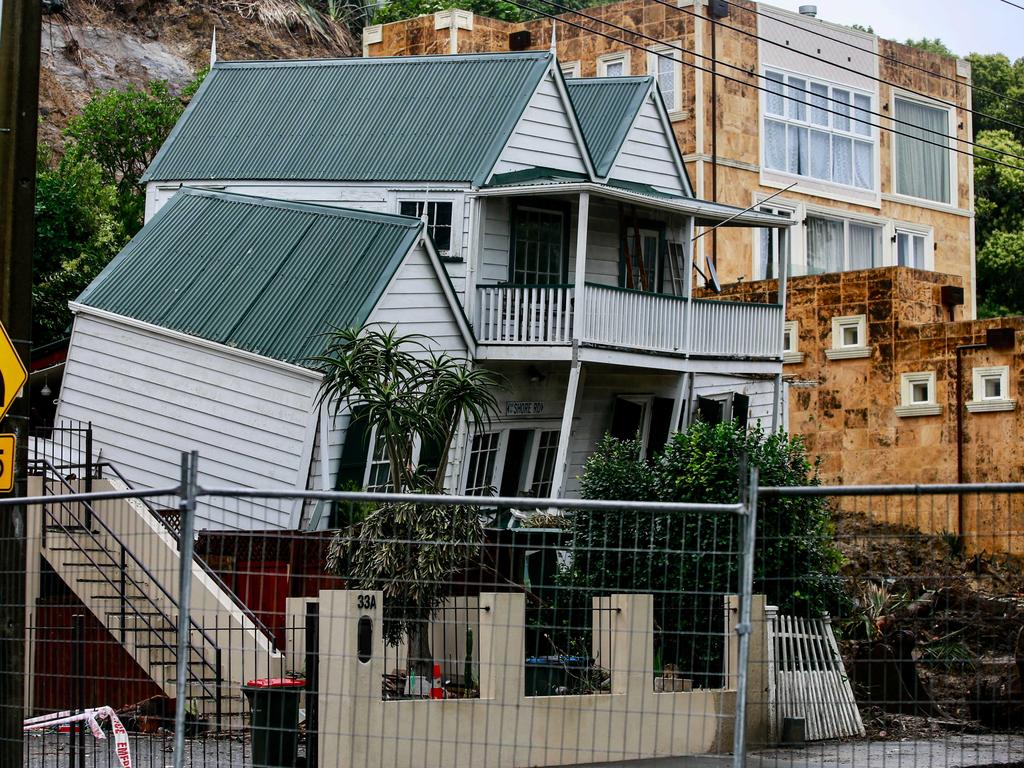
(7, 446)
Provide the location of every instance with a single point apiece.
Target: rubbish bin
(275, 720)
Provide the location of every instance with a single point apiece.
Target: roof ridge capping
(335, 211)
(462, 58)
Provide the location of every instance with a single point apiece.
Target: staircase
(122, 562)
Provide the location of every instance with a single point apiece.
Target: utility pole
(19, 109)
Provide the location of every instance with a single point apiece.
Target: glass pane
(993, 387)
(865, 246)
(851, 336)
(821, 155)
(918, 241)
(667, 80)
(922, 154)
(797, 98)
(863, 114)
(539, 242)
(614, 69)
(842, 160)
(773, 98)
(919, 392)
(797, 159)
(841, 105)
(903, 249)
(824, 245)
(863, 165)
(775, 145)
(819, 104)
(544, 469)
(787, 340)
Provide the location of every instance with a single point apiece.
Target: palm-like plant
(407, 393)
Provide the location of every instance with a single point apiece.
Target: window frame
(548, 206)
(453, 251)
(791, 352)
(951, 127)
(617, 57)
(983, 404)
(655, 54)
(571, 68)
(908, 407)
(910, 230)
(840, 351)
(537, 431)
(872, 137)
(649, 226)
(846, 221)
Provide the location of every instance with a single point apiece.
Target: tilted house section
(199, 335)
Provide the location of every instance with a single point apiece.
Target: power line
(842, 67)
(1008, 2)
(850, 116)
(893, 59)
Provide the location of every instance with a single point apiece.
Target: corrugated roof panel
(606, 108)
(419, 118)
(261, 275)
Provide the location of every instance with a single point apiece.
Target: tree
(998, 95)
(410, 397)
(932, 45)
(1000, 270)
(998, 187)
(77, 233)
(121, 130)
(688, 562)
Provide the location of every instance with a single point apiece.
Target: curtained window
(835, 245)
(922, 151)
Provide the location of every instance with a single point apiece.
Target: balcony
(636, 321)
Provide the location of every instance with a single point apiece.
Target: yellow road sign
(7, 443)
(12, 372)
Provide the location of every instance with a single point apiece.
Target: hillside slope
(97, 45)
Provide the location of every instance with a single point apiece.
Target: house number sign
(523, 408)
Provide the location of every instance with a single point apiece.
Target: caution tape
(92, 718)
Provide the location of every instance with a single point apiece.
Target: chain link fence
(432, 630)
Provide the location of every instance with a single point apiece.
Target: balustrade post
(580, 276)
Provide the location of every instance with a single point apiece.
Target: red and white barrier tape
(91, 717)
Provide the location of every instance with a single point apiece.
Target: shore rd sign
(12, 372)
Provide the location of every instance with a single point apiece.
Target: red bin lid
(277, 682)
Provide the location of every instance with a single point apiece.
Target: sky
(966, 26)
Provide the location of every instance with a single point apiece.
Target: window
(483, 456)
(570, 69)
(544, 464)
(791, 343)
(643, 417)
(641, 267)
(835, 245)
(663, 65)
(991, 390)
(613, 65)
(818, 131)
(539, 245)
(439, 220)
(378, 468)
(849, 338)
(917, 395)
(910, 249)
(769, 243)
(922, 156)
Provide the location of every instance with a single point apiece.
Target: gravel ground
(50, 750)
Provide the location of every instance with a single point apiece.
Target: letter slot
(364, 639)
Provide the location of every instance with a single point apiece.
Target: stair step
(129, 598)
(87, 580)
(76, 549)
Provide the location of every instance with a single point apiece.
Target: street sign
(7, 443)
(12, 372)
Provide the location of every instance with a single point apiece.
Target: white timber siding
(151, 396)
(648, 154)
(544, 136)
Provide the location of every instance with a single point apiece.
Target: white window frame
(654, 54)
(499, 459)
(571, 68)
(791, 352)
(951, 128)
(454, 250)
(903, 228)
(979, 403)
(843, 351)
(855, 193)
(824, 213)
(533, 448)
(908, 406)
(603, 62)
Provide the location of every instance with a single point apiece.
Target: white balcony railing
(515, 314)
(633, 320)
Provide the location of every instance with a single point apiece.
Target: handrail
(635, 291)
(149, 574)
(201, 562)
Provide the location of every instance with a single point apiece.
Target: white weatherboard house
(540, 227)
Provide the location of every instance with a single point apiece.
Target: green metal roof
(416, 118)
(606, 108)
(535, 174)
(257, 274)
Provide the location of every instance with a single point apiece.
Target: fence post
(186, 506)
(312, 683)
(76, 734)
(748, 533)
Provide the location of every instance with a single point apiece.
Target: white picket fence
(808, 678)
